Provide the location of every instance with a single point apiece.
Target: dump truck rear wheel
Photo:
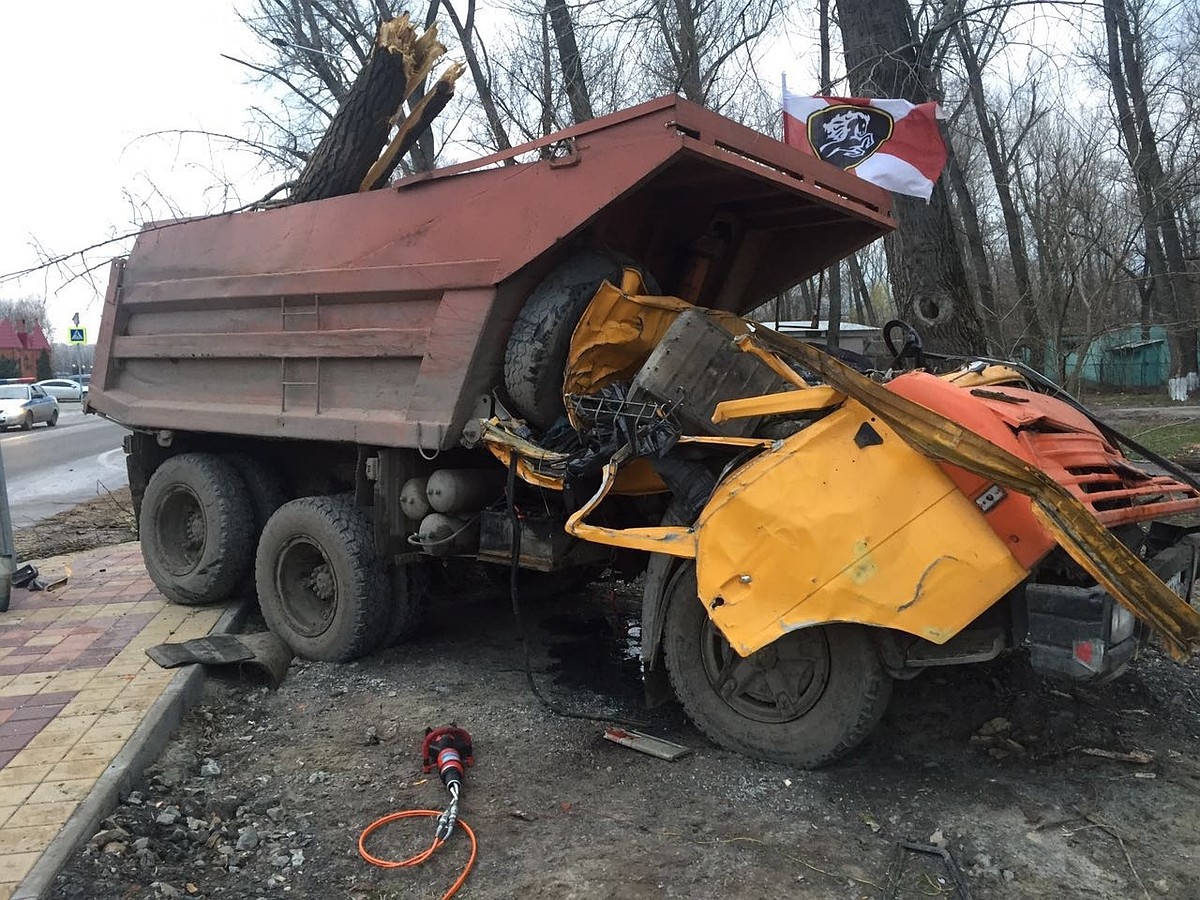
(195, 529)
(321, 584)
(411, 587)
(536, 355)
(264, 489)
(805, 700)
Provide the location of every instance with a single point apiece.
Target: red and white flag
(892, 143)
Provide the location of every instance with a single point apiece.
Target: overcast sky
(77, 94)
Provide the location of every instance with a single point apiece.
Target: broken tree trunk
(351, 144)
(424, 111)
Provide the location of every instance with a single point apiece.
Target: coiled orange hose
(420, 857)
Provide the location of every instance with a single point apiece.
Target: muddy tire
(412, 586)
(53, 420)
(806, 700)
(321, 584)
(536, 356)
(195, 529)
(27, 422)
(264, 489)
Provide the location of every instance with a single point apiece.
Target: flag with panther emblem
(892, 143)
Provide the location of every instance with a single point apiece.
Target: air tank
(443, 535)
(463, 490)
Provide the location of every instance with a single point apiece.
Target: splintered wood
(348, 157)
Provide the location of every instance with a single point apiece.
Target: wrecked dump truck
(539, 361)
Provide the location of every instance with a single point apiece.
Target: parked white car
(21, 405)
(63, 389)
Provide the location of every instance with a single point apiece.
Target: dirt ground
(96, 523)
(263, 794)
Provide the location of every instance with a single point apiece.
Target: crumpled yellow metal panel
(1114, 566)
(822, 530)
(618, 331)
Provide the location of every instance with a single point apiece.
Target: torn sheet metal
(816, 530)
(1072, 524)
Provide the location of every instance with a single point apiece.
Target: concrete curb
(125, 771)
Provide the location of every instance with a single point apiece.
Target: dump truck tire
(411, 588)
(195, 529)
(321, 584)
(806, 700)
(264, 489)
(536, 356)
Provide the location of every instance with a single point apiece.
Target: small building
(1124, 357)
(861, 339)
(23, 345)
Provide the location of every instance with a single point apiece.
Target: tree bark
(929, 280)
(973, 234)
(411, 128)
(574, 81)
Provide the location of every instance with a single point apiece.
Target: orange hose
(420, 857)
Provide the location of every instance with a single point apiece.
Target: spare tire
(536, 356)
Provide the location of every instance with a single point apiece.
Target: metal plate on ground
(215, 650)
(261, 653)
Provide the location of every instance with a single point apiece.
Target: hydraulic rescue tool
(449, 750)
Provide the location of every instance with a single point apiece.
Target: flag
(892, 143)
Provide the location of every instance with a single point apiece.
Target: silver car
(21, 405)
(63, 389)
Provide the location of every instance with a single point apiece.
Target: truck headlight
(1122, 624)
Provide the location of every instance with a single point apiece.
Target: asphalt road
(51, 469)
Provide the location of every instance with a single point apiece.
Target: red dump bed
(381, 318)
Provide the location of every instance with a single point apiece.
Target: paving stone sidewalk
(75, 682)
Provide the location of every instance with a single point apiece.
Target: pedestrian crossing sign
(77, 335)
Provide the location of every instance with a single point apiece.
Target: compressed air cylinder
(463, 490)
(443, 535)
(413, 501)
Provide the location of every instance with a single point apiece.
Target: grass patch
(1170, 440)
(1127, 399)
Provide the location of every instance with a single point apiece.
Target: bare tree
(574, 80)
(310, 53)
(467, 36)
(886, 59)
(1164, 245)
(833, 337)
(703, 49)
(1034, 336)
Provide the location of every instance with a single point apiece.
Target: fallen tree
(349, 151)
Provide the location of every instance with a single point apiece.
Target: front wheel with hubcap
(321, 584)
(805, 700)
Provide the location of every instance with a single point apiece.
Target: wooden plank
(332, 344)
(646, 743)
